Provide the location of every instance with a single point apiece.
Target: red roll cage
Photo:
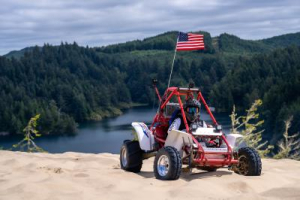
(200, 157)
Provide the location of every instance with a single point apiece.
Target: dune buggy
(197, 147)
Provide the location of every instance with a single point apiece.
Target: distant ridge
(224, 43)
(18, 53)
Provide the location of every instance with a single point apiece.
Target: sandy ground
(72, 176)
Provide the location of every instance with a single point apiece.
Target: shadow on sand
(146, 174)
(189, 176)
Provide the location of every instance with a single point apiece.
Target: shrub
(289, 146)
(30, 132)
(249, 127)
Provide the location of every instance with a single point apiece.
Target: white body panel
(231, 139)
(146, 138)
(178, 138)
(207, 132)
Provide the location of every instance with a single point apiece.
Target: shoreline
(99, 115)
(115, 112)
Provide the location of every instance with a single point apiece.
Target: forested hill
(64, 84)
(69, 84)
(164, 41)
(274, 78)
(233, 44)
(225, 43)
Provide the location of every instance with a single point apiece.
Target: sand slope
(98, 176)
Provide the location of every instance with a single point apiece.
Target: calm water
(104, 136)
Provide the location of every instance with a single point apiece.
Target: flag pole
(173, 63)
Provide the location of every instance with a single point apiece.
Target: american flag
(189, 42)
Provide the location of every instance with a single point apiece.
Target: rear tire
(167, 164)
(131, 156)
(249, 162)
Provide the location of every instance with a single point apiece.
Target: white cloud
(95, 23)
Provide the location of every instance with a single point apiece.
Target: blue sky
(101, 22)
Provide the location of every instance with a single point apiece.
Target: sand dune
(98, 176)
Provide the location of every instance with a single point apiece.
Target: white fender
(232, 138)
(178, 138)
(146, 138)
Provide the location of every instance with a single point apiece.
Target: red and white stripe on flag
(189, 42)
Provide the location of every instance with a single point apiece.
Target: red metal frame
(200, 157)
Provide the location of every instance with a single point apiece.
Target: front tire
(249, 162)
(131, 156)
(167, 164)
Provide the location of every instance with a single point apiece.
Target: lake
(103, 136)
